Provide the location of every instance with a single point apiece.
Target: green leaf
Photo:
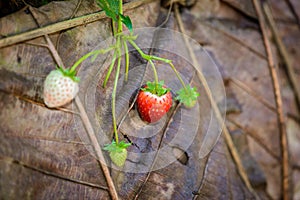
(159, 89)
(187, 96)
(127, 21)
(111, 8)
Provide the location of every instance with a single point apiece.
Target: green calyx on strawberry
(117, 152)
(154, 101)
(60, 87)
(187, 96)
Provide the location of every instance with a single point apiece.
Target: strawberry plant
(156, 94)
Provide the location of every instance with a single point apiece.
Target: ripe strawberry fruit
(154, 101)
(60, 87)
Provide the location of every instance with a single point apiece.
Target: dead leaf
(45, 154)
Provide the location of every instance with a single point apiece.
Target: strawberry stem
(145, 56)
(150, 58)
(86, 56)
(178, 75)
(110, 69)
(126, 59)
(120, 27)
(113, 24)
(172, 67)
(155, 75)
(117, 53)
(114, 98)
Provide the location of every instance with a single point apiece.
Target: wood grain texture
(43, 152)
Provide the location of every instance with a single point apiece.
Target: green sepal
(157, 89)
(114, 147)
(187, 96)
(70, 74)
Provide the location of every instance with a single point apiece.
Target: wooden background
(43, 157)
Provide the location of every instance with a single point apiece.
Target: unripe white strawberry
(60, 87)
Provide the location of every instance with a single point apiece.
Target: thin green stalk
(110, 69)
(86, 56)
(114, 98)
(149, 58)
(83, 58)
(121, 7)
(155, 74)
(120, 27)
(172, 66)
(161, 59)
(113, 24)
(113, 104)
(145, 56)
(126, 59)
(178, 75)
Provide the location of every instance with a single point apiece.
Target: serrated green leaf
(127, 22)
(187, 96)
(111, 7)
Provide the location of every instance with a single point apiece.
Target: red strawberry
(154, 101)
(60, 87)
